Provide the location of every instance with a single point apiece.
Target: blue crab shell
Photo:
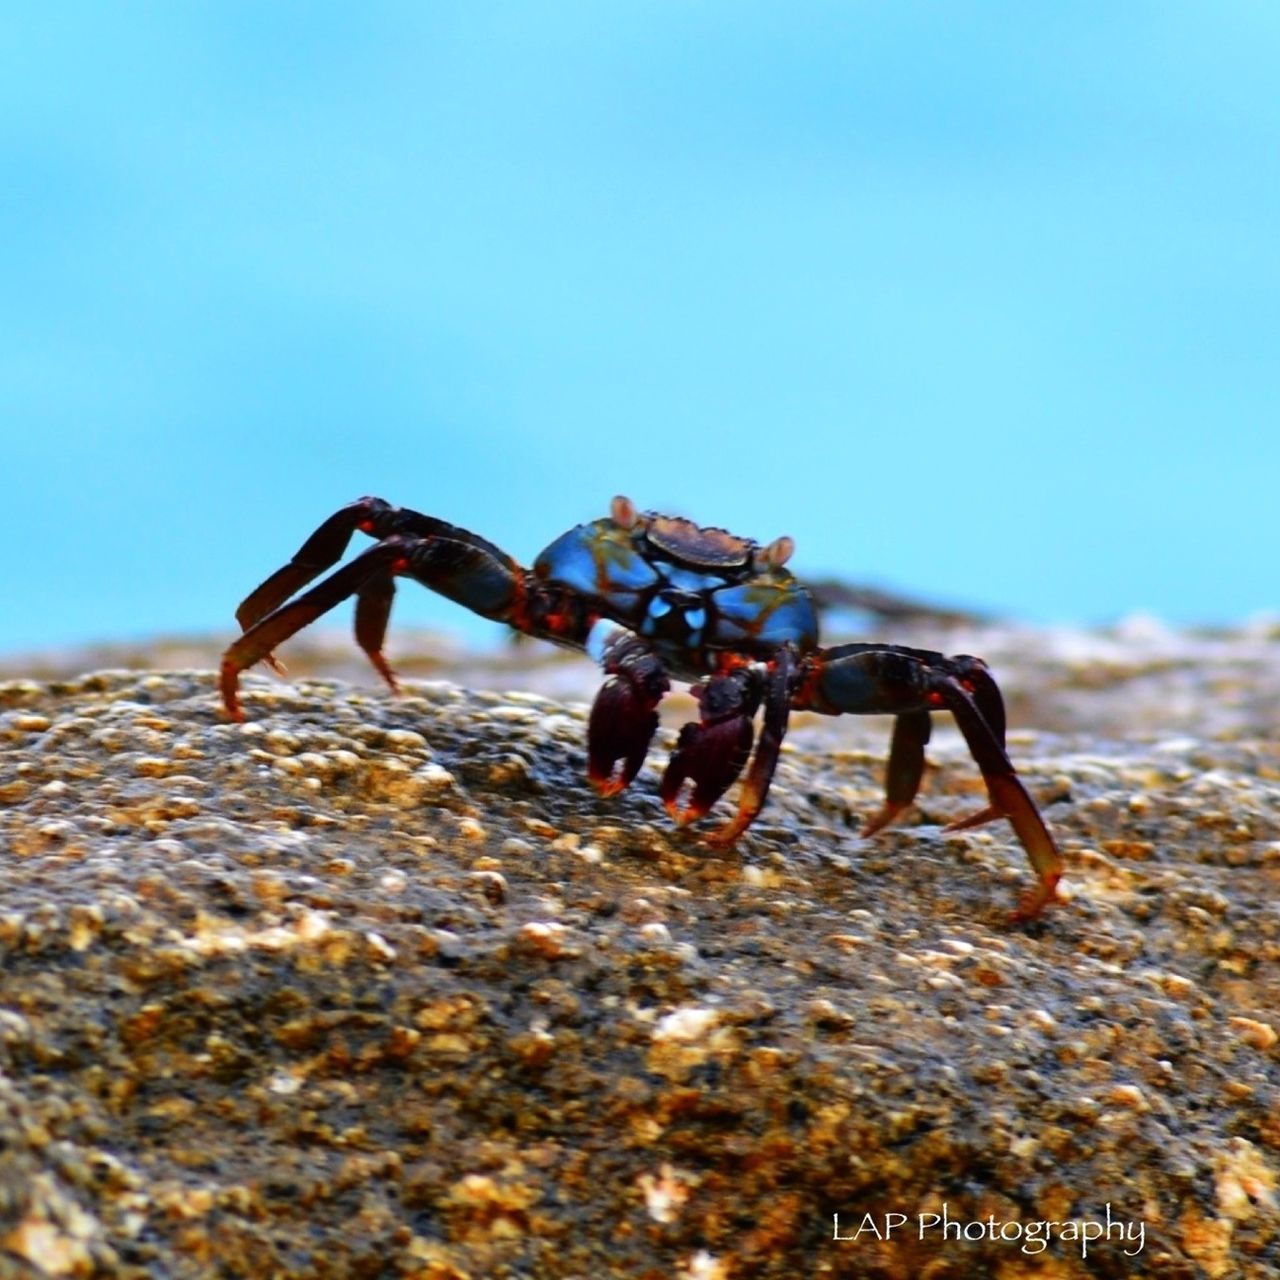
(694, 593)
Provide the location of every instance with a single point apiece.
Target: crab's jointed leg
(911, 730)
(911, 683)
(456, 563)
(773, 728)
(326, 546)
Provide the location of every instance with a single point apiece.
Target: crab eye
(778, 552)
(623, 511)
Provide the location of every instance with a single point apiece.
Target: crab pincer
(622, 724)
(710, 754)
(624, 716)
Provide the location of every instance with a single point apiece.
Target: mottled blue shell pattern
(693, 592)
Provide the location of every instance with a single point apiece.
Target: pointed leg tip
(683, 816)
(878, 822)
(229, 686)
(381, 666)
(1034, 901)
(606, 787)
(983, 816)
(723, 837)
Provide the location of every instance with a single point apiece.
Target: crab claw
(623, 720)
(710, 755)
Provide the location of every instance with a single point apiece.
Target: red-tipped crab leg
(755, 786)
(1008, 796)
(456, 564)
(911, 732)
(321, 551)
(910, 683)
(326, 546)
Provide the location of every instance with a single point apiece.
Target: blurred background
(978, 302)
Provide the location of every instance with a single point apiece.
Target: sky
(978, 301)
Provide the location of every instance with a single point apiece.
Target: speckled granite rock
(375, 987)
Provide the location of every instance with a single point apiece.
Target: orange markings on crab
(683, 815)
(365, 526)
(750, 802)
(808, 693)
(400, 564)
(936, 699)
(606, 787)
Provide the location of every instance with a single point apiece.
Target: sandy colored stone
(339, 991)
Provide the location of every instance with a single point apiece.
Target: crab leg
(911, 732)
(1008, 797)
(373, 611)
(755, 786)
(321, 551)
(466, 569)
(326, 546)
(977, 681)
(909, 683)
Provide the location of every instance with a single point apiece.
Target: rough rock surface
(377, 987)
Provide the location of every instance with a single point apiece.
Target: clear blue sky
(978, 300)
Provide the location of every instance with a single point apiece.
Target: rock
(339, 992)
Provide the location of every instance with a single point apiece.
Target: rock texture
(377, 987)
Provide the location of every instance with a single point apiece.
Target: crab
(653, 597)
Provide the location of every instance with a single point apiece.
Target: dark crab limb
(321, 551)
(911, 732)
(624, 716)
(450, 560)
(910, 683)
(976, 680)
(755, 786)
